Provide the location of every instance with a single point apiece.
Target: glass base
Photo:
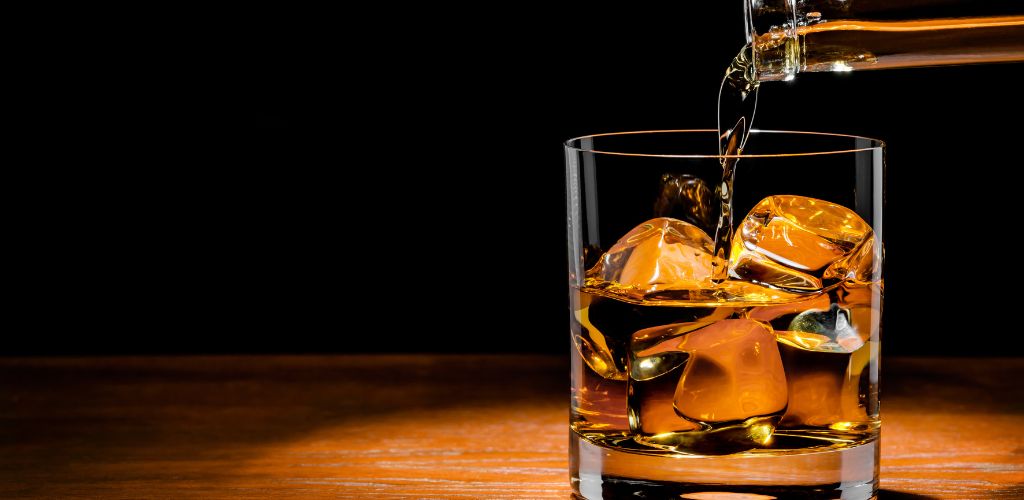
(598, 473)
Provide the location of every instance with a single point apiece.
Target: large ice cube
(660, 254)
(793, 242)
(655, 367)
(731, 370)
(827, 356)
(734, 373)
(825, 387)
(711, 386)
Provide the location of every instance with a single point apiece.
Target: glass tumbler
(764, 383)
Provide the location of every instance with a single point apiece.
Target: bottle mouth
(771, 30)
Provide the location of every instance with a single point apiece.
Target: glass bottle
(794, 36)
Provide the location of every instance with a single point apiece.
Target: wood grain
(444, 426)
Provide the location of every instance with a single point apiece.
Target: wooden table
(415, 426)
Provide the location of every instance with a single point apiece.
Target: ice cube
(827, 357)
(826, 331)
(655, 367)
(792, 242)
(825, 389)
(660, 254)
(734, 373)
(863, 264)
(864, 302)
(711, 386)
(654, 376)
(840, 320)
(685, 197)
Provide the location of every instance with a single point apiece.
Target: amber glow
(742, 366)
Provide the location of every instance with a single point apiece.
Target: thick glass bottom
(604, 473)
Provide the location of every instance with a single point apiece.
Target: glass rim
(568, 144)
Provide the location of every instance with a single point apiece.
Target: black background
(416, 168)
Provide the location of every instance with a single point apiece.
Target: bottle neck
(771, 31)
(788, 37)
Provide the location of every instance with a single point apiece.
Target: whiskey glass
(766, 383)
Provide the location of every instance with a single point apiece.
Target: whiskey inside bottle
(820, 44)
